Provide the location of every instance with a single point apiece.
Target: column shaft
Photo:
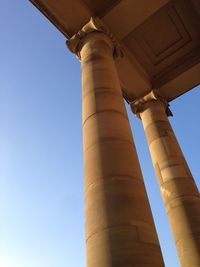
(178, 189)
(119, 225)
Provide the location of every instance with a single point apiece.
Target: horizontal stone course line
(130, 225)
(171, 166)
(108, 179)
(157, 123)
(189, 235)
(153, 123)
(190, 178)
(155, 139)
(176, 161)
(94, 56)
(88, 70)
(108, 140)
(104, 111)
(159, 137)
(102, 90)
(187, 200)
(181, 197)
(154, 132)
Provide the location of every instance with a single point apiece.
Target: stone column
(120, 230)
(177, 186)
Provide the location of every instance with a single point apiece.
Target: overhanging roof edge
(41, 7)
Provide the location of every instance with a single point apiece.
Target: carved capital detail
(94, 25)
(137, 106)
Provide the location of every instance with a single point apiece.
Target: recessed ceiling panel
(168, 37)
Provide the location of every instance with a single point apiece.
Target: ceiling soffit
(70, 16)
(160, 39)
(98, 7)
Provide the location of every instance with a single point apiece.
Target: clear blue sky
(41, 168)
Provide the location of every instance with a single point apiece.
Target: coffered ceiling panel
(127, 15)
(166, 40)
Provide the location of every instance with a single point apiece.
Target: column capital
(94, 25)
(139, 105)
